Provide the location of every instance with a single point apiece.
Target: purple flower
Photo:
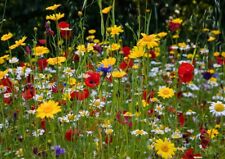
(58, 150)
(105, 70)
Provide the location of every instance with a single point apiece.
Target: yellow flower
(223, 54)
(114, 47)
(40, 50)
(18, 43)
(56, 60)
(6, 37)
(55, 17)
(148, 40)
(72, 81)
(3, 73)
(4, 58)
(118, 74)
(92, 31)
(81, 48)
(48, 109)
(165, 92)
(162, 34)
(216, 32)
(115, 30)
(212, 133)
(165, 149)
(176, 36)
(211, 38)
(216, 54)
(136, 52)
(189, 56)
(108, 62)
(106, 10)
(177, 20)
(54, 7)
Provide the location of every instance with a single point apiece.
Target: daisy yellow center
(219, 107)
(97, 103)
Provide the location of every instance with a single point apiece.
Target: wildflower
(212, 133)
(28, 92)
(216, 32)
(13, 60)
(165, 92)
(148, 40)
(79, 95)
(106, 10)
(48, 109)
(92, 80)
(139, 132)
(42, 64)
(217, 108)
(65, 30)
(18, 43)
(136, 52)
(58, 150)
(124, 119)
(56, 60)
(162, 34)
(40, 50)
(55, 17)
(72, 134)
(125, 64)
(3, 74)
(92, 31)
(108, 62)
(118, 74)
(189, 154)
(115, 30)
(175, 24)
(114, 47)
(6, 37)
(211, 38)
(165, 148)
(53, 7)
(185, 72)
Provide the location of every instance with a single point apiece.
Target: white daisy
(217, 108)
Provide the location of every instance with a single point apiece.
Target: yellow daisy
(55, 17)
(53, 7)
(118, 74)
(106, 10)
(6, 37)
(40, 50)
(165, 149)
(165, 92)
(149, 40)
(48, 109)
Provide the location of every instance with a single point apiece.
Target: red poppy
(65, 30)
(174, 26)
(42, 64)
(186, 72)
(125, 64)
(92, 80)
(29, 92)
(79, 95)
(126, 51)
(189, 154)
(72, 134)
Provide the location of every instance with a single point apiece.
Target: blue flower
(58, 150)
(103, 69)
